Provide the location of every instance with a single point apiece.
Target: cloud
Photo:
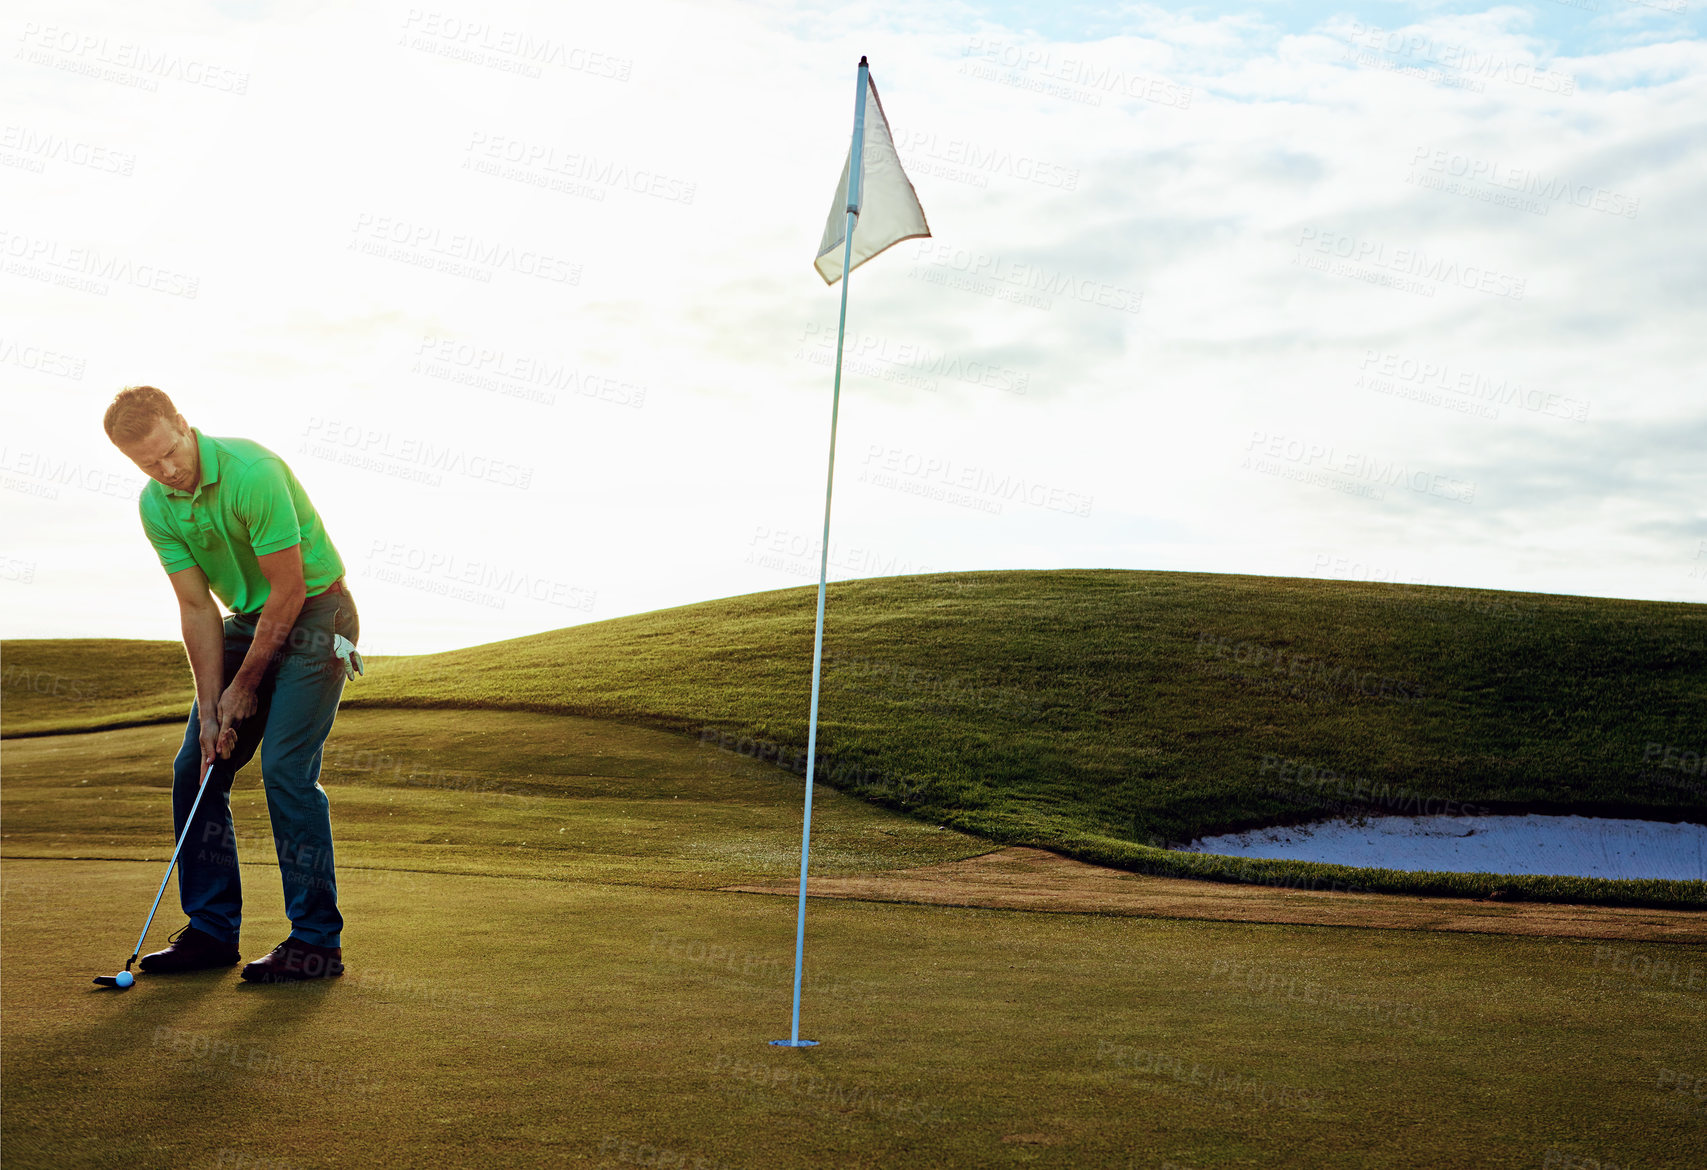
(1463, 249)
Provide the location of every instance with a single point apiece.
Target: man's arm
(286, 593)
(204, 644)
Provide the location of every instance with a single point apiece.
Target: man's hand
(216, 744)
(223, 710)
(235, 705)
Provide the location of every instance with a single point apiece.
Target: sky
(524, 296)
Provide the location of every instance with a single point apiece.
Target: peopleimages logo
(509, 50)
(897, 467)
(533, 377)
(802, 555)
(1380, 369)
(409, 456)
(1030, 277)
(1264, 452)
(40, 473)
(123, 61)
(449, 572)
(1309, 668)
(1498, 177)
(545, 165)
(974, 158)
(37, 148)
(1075, 73)
(1461, 58)
(41, 361)
(1322, 782)
(87, 269)
(1410, 262)
(424, 244)
(907, 362)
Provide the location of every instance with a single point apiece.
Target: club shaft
(187, 823)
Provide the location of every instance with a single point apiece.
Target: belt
(335, 587)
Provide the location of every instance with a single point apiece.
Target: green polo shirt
(248, 504)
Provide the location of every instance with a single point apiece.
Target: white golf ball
(124, 978)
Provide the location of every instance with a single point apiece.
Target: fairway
(544, 972)
(1096, 713)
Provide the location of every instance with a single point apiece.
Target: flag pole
(854, 166)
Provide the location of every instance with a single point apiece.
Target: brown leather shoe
(191, 950)
(295, 959)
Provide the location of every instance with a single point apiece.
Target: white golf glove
(346, 650)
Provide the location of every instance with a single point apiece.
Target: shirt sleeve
(169, 545)
(263, 502)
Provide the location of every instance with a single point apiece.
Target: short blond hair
(133, 411)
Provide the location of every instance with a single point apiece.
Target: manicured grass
(72, 684)
(511, 1022)
(522, 1005)
(1107, 713)
(487, 793)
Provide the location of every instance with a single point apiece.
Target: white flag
(889, 210)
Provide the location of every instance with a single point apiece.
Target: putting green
(519, 996)
(480, 792)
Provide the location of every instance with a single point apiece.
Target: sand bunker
(1599, 847)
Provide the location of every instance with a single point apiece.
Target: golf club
(124, 978)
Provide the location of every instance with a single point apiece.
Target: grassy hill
(1101, 713)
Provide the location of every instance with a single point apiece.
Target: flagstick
(794, 1040)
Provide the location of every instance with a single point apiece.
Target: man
(228, 519)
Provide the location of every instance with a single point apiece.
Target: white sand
(1532, 844)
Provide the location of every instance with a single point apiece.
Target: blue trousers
(296, 703)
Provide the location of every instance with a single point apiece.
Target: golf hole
(1600, 847)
